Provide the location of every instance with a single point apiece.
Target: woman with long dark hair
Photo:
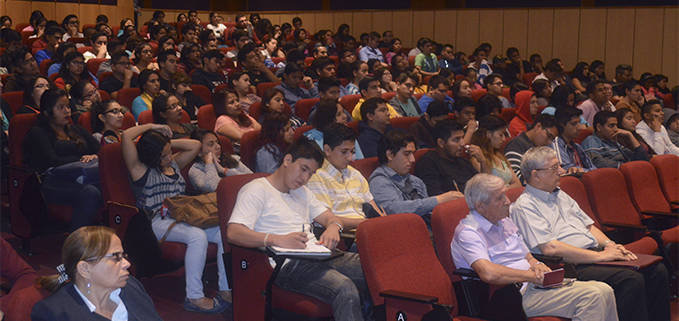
(107, 121)
(240, 83)
(490, 136)
(190, 58)
(273, 100)
(232, 121)
(143, 55)
(54, 141)
(395, 46)
(581, 77)
(73, 70)
(34, 90)
(276, 135)
(598, 68)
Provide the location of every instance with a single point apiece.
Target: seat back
(202, 92)
(206, 117)
(85, 120)
(643, 186)
(348, 102)
(94, 63)
(514, 193)
(45, 66)
(255, 110)
(444, 220)
(388, 257)
(127, 95)
(478, 93)
(303, 107)
(19, 126)
(528, 77)
(584, 133)
(576, 190)
(105, 75)
(366, 166)
(227, 192)
(388, 96)
(612, 203)
(403, 122)
(418, 154)
(508, 114)
(248, 145)
(114, 176)
(668, 176)
(301, 130)
(146, 117)
(264, 86)
(15, 99)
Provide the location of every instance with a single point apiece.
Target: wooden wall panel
(403, 28)
(619, 39)
(670, 45)
(423, 25)
(49, 9)
(381, 21)
(324, 21)
(362, 22)
(445, 26)
(20, 12)
(273, 17)
(339, 18)
(467, 35)
(565, 40)
(515, 29)
(126, 10)
(308, 22)
(287, 17)
(540, 31)
(592, 39)
(112, 13)
(144, 17)
(88, 14)
(490, 29)
(648, 24)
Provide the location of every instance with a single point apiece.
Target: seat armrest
(547, 259)
(660, 214)
(635, 227)
(467, 273)
(407, 296)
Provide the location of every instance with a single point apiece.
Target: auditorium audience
(580, 77)
(293, 78)
(107, 121)
(32, 94)
(53, 39)
(541, 133)
(181, 88)
(99, 42)
(599, 99)
(214, 25)
(23, 68)
(149, 85)
(232, 121)
(448, 60)
(572, 156)
(651, 129)
(155, 175)
(438, 91)
(399, 64)
(552, 223)
(273, 100)
(603, 147)
(423, 129)
(93, 281)
(211, 165)
(471, 75)
(328, 111)
(249, 58)
(355, 72)
(322, 67)
(375, 123)
(274, 139)
(123, 76)
(52, 142)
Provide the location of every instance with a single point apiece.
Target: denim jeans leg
(85, 199)
(324, 281)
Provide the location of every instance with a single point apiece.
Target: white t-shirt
(217, 30)
(262, 208)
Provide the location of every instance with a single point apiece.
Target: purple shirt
(476, 238)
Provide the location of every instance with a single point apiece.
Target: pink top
(225, 120)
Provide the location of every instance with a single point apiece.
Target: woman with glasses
(54, 141)
(167, 110)
(34, 90)
(149, 84)
(73, 70)
(83, 96)
(155, 175)
(107, 121)
(71, 25)
(143, 54)
(94, 282)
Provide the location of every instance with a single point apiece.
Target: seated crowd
(435, 131)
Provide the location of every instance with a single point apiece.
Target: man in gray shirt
(552, 223)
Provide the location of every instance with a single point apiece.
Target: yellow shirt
(343, 192)
(356, 113)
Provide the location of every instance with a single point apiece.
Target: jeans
(85, 199)
(196, 241)
(336, 282)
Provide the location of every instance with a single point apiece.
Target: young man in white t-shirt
(273, 210)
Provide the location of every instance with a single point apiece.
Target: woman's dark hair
(225, 159)
(78, 90)
(162, 41)
(99, 108)
(59, 54)
(596, 64)
(122, 23)
(456, 88)
(64, 23)
(559, 98)
(252, 17)
(486, 105)
(179, 16)
(325, 114)
(150, 148)
(538, 86)
(340, 32)
(579, 70)
(36, 23)
(297, 32)
(263, 28)
(235, 76)
(47, 102)
(87, 242)
(219, 101)
(378, 73)
(371, 65)
(354, 67)
(271, 138)
(28, 91)
(159, 105)
(186, 51)
(391, 45)
(489, 124)
(138, 49)
(143, 78)
(620, 115)
(266, 98)
(65, 74)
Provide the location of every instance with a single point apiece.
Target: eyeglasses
(78, 63)
(550, 136)
(553, 168)
(116, 111)
(117, 256)
(73, 22)
(126, 64)
(90, 94)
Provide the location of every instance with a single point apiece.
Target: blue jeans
(335, 282)
(85, 199)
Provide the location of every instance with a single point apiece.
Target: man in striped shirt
(341, 187)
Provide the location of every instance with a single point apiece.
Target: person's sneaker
(223, 302)
(217, 309)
